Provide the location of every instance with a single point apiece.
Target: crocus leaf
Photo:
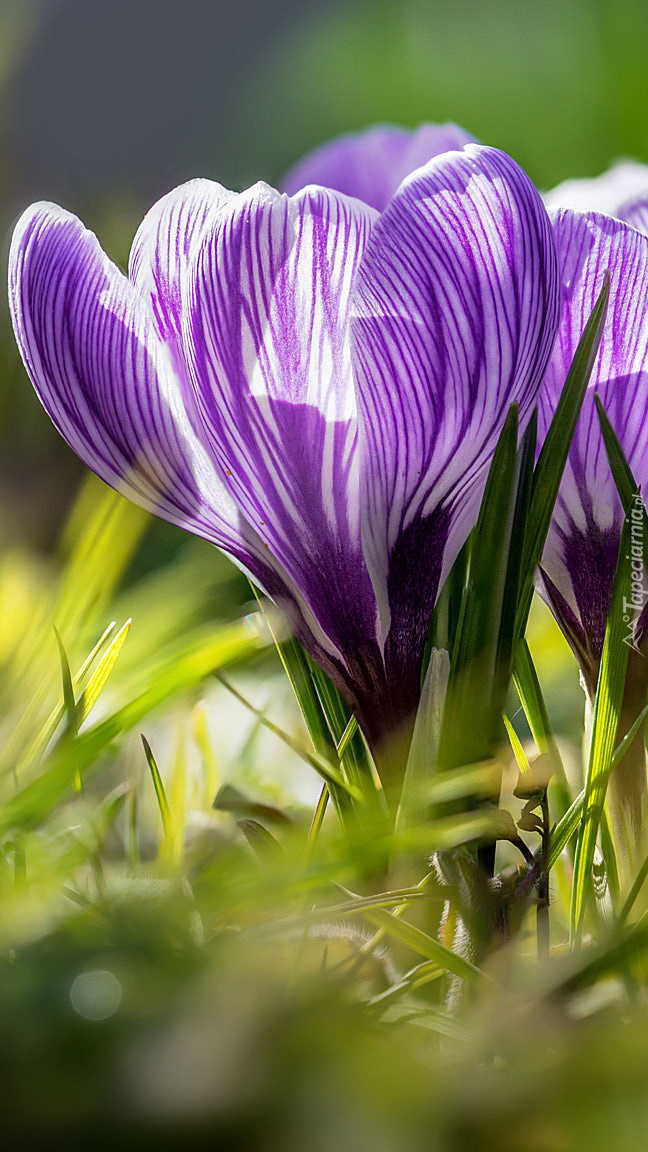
(580, 553)
(529, 691)
(626, 484)
(516, 575)
(637, 885)
(532, 701)
(608, 959)
(607, 708)
(468, 724)
(298, 669)
(518, 751)
(42, 739)
(349, 745)
(182, 667)
(422, 761)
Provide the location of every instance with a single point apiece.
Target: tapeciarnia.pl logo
(634, 605)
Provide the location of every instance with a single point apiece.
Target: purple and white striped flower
(580, 556)
(313, 386)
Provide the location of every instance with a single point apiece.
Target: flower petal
(635, 213)
(370, 165)
(90, 346)
(582, 545)
(165, 241)
(267, 342)
(456, 308)
(605, 193)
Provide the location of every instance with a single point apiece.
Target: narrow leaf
(425, 945)
(567, 826)
(231, 799)
(607, 709)
(321, 766)
(163, 803)
(68, 687)
(262, 842)
(626, 484)
(555, 449)
(469, 725)
(99, 677)
(518, 750)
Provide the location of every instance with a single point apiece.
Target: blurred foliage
(558, 84)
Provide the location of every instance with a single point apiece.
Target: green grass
(189, 947)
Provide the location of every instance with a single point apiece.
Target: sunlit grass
(166, 960)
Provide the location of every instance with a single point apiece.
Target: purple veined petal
(114, 390)
(580, 555)
(370, 165)
(165, 241)
(635, 213)
(605, 193)
(90, 346)
(267, 343)
(455, 314)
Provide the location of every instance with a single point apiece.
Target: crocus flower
(313, 386)
(370, 165)
(580, 556)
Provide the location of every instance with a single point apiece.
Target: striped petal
(635, 213)
(370, 165)
(579, 560)
(91, 347)
(455, 315)
(166, 242)
(605, 193)
(266, 335)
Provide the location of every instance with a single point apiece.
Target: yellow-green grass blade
(185, 668)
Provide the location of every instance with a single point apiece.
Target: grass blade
(69, 701)
(321, 766)
(425, 945)
(160, 793)
(97, 681)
